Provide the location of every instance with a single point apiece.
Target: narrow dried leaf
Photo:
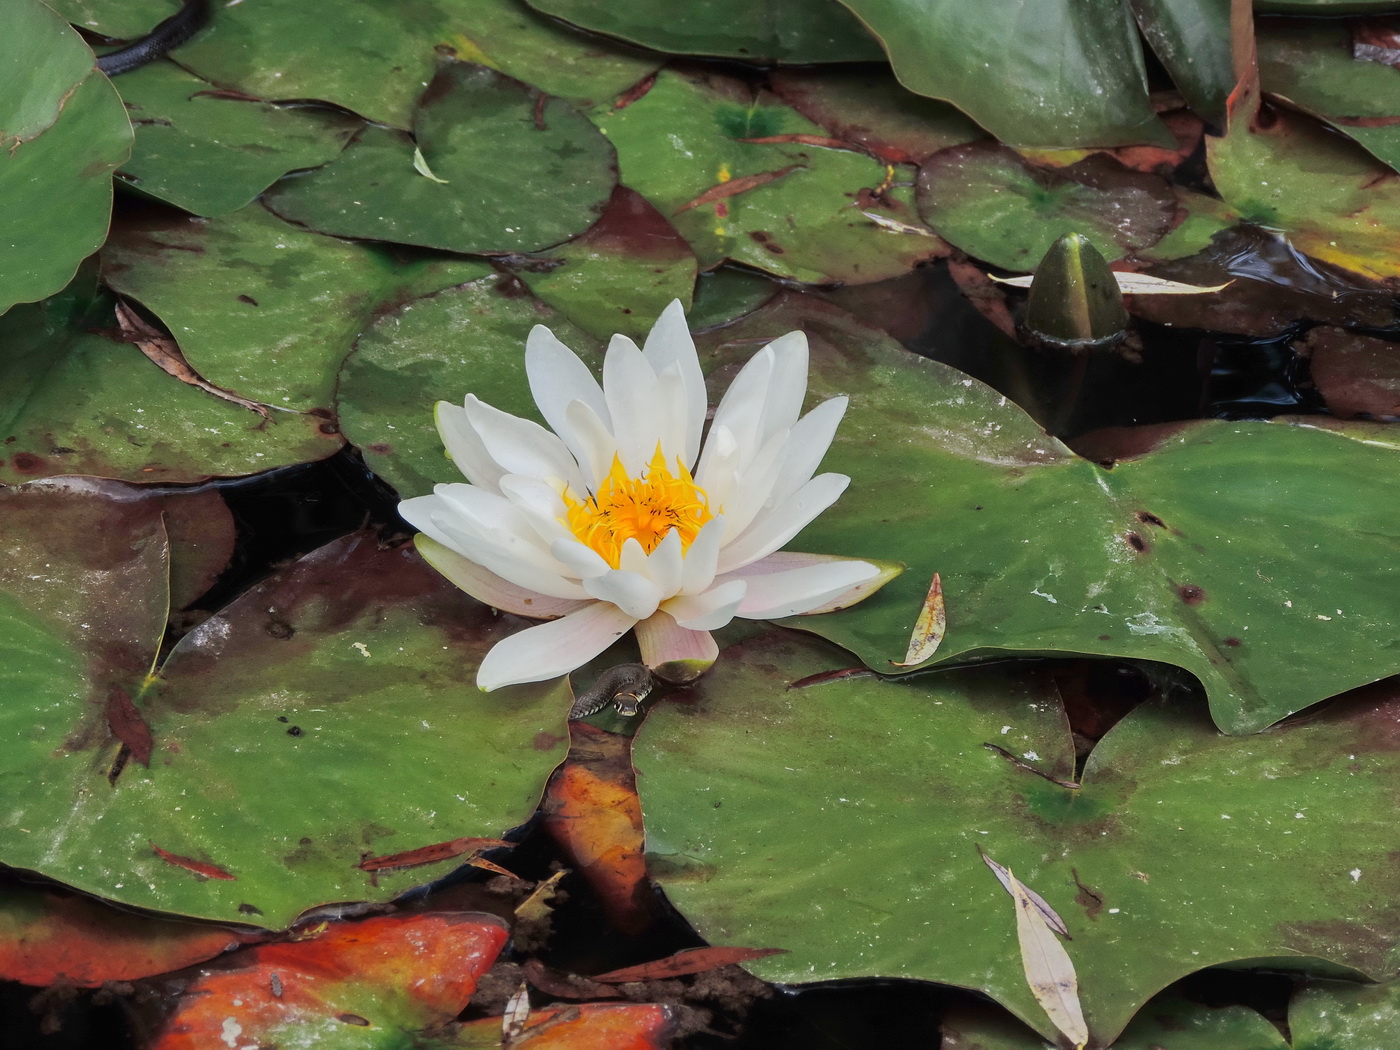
(199, 867)
(1048, 913)
(1048, 969)
(929, 628)
(128, 726)
(824, 141)
(430, 854)
(420, 165)
(895, 226)
(517, 1013)
(163, 351)
(1132, 284)
(494, 868)
(540, 902)
(692, 960)
(734, 187)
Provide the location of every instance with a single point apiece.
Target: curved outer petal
(709, 611)
(631, 592)
(740, 414)
(522, 446)
(539, 503)
(808, 442)
(664, 566)
(579, 558)
(790, 586)
(788, 384)
(485, 586)
(557, 378)
(673, 652)
(775, 527)
(554, 648)
(629, 384)
(702, 559)
(465, 447)
(669, 342)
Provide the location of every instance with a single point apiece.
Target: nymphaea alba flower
(618, 518)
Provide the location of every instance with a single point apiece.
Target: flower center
(644, 509)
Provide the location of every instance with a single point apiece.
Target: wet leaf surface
(1015, 77)
(495, 147)
(1182, 848)
(1207, 556)
(1327, 1014)
(690, 140)
(48, 937)
(588, 1026)
(211, 154)
(265, 719)
(795, 31)
(353, 984)
(987, 201)
(62, 133)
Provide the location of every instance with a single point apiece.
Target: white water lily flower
(618, 519)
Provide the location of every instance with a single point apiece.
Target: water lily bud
(1074, 303)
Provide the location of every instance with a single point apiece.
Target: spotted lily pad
(844, 820)
(1324, 1015)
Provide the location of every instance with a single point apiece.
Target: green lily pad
(1322, 7)
(63, 132)
(1331, 198)
(843, 821)
(1192, 40)
(212, 154)
(993, 205)
(874, 110)
(119, 19)
(726, 294)
(1311, 65)
(488, 151)
(265, 719)
(440, 348)
(73, 400)
(797, 31)
(263, 307)
(1264, 583)
(1070, 73)
(1167, 1022)
(619, 275)
(783, 204)
(1331, 1015)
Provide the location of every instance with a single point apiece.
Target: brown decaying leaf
(986, 297)
(822, 677)
(1003, 875)
(540, 902)
(165, 353)
(517, 1012)
(128, 726)
(429, 854)
(734, 187)
(929, 628)
(823, 141)
(566, 985)
(199, 867)
(692, 960)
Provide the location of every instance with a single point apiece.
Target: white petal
(709, 611)
(753, 486)
(512, 562)
(522, 446)
(485, 586)
(554, 648)
(720, 466)
(669, 342)
(788, 385)
(741, 408)
(666, 564)
(702, 557)
(629, 384)
(775, 527)
(557, 377)
(539, 502)
(807, 443)
(775, 590)
(631, 592)
(594, 445)
(465, 447)
(673, 652)
(582, 560)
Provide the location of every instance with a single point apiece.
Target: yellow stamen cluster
(644, 509)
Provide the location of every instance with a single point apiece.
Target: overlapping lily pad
(745, 178)
(212, 154)
(1325, 1015)
(1065, 73)
(843, 821)
(77, 401)
(487, 151)
(993, 205)
(1262, 582)
(62, 133)
(798, 31)
(256, 804)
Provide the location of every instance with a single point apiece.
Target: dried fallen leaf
(734, 187)
(165, 352)
(1048, 913)
(692, 960)
(516, 1014)
(1131, 284)
(1047, 965)
(929, 628)
(895, 226)
(429, 854)
(540, 902)
(199, 867)
(420, 165)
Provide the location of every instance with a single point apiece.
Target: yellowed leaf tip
(929, 628)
